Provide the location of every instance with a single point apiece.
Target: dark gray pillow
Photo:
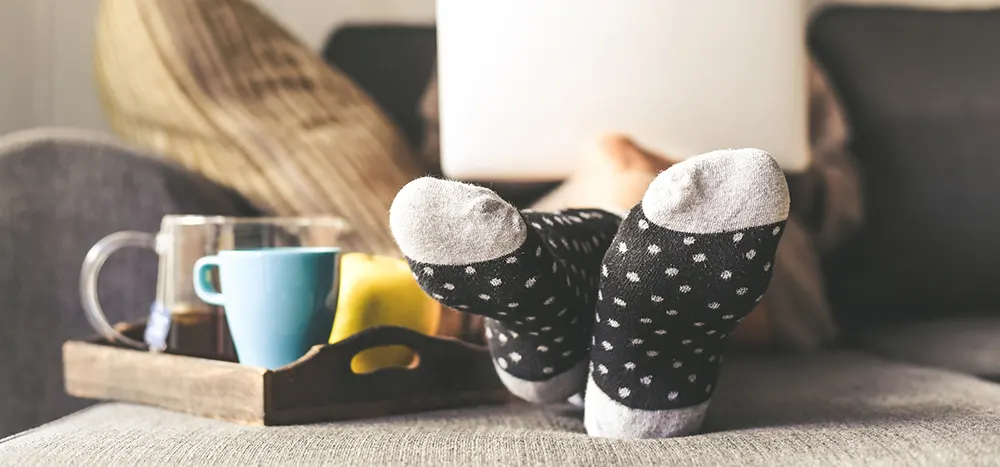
(922, 92)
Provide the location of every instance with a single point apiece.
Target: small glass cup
(179, 320)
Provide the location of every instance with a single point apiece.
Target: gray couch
(913, 383)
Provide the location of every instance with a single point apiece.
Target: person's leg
(614, 175)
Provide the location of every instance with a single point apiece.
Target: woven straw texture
(222, 88)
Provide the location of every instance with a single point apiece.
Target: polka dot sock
(688, 263)
(533, 276)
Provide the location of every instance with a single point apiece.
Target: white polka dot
(538, 252)
(643, 224)
(542, 349)
(673, 395)
(672, 312)
(728, 317)
(737, 236)
(470, 270)
(515, 357)
(429, 271)
(502, 338)
(607, 345)
(554, 267)
(714, 305)
(742, 291)
(672, 272)
(698, 351)
(484, 296)
(645, 320)
(653, 249)
(548, 370)
(656, 299)
(759, 297)
(565, 243)
(624, 392)
(462, 307)
(767, 267)
(511, 260)
(646, 380)
(632, 277)
(692, 378)
(546, 328)
(437, 296)
(685, 288)
(677, 364)
(548, 301)
(562, 312)
(513, 305)
(513, 334)
(700, 257)
(629, 366)
(712, 358)
(776, 230)
(726, 275)
(686, 341)
(502, 363)
(652, 353)
(689, 240)
(710, 332)
(600, 296)
(496, 282)
(622, 248)
(530, 318)
(699, 324)
(489, 333)
(708, 388)
(636, 341)
(547, 220)
(660, 332)
(449, 286)
(751, 254)
(613, 323)
(558, 339)
(567, 353)
(530, 283)
(619, 301)
(602, 369)
(553, 243)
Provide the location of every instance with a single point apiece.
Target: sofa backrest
(921, 89)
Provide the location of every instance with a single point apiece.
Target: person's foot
(533, 275)
(613, 174)
(687, 264)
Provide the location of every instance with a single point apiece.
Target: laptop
(525, 85)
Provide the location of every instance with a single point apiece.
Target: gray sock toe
(720, 191)
(450, 223)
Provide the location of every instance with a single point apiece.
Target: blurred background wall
(45, 66)
(46, 75)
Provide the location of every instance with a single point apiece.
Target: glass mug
(181, 241)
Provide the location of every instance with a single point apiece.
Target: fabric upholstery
(221, 87)
(60, 192)
(969, 344)
(920, 91)
(835, 408)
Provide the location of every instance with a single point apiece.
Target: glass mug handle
(92, 265)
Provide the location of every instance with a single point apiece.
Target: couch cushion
(920, 90)
(823, 409)
(223, 88)
(967, 344)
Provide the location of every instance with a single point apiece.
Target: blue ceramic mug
(279, 302)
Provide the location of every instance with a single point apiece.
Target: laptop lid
(525, 85)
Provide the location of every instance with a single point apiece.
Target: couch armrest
(60, 192)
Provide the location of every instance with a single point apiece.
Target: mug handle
(202, 286)
(92, 265)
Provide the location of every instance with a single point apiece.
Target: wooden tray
(318, 387)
